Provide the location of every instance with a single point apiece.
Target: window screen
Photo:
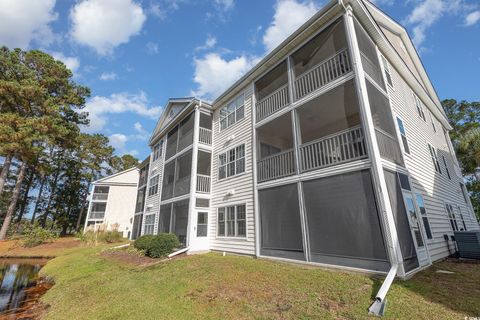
(180, 220)
(343, 219)
(183, 173)
(280, 222)
(165, 216)
(272, 81)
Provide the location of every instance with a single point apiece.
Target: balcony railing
(276, 166)
(388, 147)
(335, 149)
(100, 196)
(272, 103)
(203, 183)
(322, 74)
(96, 215)
(205, 136)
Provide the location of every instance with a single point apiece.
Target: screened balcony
(176, 176)
(203, 172)
(275, 149)
(97, 211)
(322, 60)
(180, 137)
(272, 91)
(329, 133)
(100, 193)
(174, 219)
(205, 130)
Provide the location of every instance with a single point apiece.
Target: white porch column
(380, 185)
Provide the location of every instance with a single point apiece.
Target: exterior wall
(242, 184)
(437, 189)
(120, 207)
(152, 203)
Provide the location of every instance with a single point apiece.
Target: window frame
(419, 106)
(446, 167)
(149, 224)
(452, 219)
(387, 71)
(228, 161)
(157, 150)
(432, 120)
(403, 135)
(226, 116)
(224, 211)
(434, 156)
(153, 185)
(424, 215)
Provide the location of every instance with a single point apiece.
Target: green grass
(210, 286)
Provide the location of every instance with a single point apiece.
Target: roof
(126, 177)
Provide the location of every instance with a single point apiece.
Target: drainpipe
(378, 306)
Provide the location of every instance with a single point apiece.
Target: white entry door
(417, 231)
(200, 234)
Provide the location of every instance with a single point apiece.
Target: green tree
(118, 164)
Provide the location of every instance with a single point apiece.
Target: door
(200, 234)
(417, 231)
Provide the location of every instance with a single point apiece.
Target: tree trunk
(23, 205)
(13, 202)
(50, 199)
(39, 197)
(82, 208)
(4, 173)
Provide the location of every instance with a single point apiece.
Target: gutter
(378, 306)
(173, 254)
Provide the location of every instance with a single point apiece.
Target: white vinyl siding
(242, 185)
(233, 112)
(434, 188)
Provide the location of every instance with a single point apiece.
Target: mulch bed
(126, 257)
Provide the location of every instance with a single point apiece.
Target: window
(153, 188)
(432, 119)
(446, 167)
(461, 218)
(231, 162)
(401, 128)
(386, 69)
(232, 112)
(149, 224)
(157, 150)
(423, 213)
(464, 192)
(232, 221)
(451, 217)
(419, 106)
(97, 210)
(433, 154)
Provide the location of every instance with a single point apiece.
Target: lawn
(90, 285)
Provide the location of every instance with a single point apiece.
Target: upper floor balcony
(100, 193)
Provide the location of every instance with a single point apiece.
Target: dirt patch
(31, 307)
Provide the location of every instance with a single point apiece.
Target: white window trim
(401, 134)
(419, 107)
(220, 117)
(432, 120)
(234, 161)
(449, 219)
(150, 185)
(418, 194)
(433, 155)
(236, 237)
(444, 160)
(158, 154)
(386, 70)
(149, 224)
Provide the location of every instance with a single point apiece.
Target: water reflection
(15, 277)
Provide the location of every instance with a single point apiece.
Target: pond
(19, 286)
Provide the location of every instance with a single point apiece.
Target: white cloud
(24, 21)
(142, 134)
(106, 76)
(213, 74)
(209, 43)
(105, 24)
(118, 141)
(72, 63)
(99, 107)
(156, 11)
(472, 18)
(289, 15)
(152, 48)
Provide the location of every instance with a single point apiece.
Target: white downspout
(378, 306)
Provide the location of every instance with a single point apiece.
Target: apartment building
(333, 150)
(140, 199)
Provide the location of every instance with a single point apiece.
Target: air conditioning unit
(231, 192)
(468, 243)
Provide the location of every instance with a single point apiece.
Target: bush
(157, 246)
(34, 235)
(94, 237)
(110, 236)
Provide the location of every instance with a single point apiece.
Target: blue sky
(136, 54)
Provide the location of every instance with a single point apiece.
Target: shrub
(34, 235)
(144, 242)
(94, 237)
(157, 246)
(110, 236)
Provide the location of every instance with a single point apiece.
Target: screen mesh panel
(180, 220)
(343, 220)
(164, 221)
(280, 222)
(401, 221)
